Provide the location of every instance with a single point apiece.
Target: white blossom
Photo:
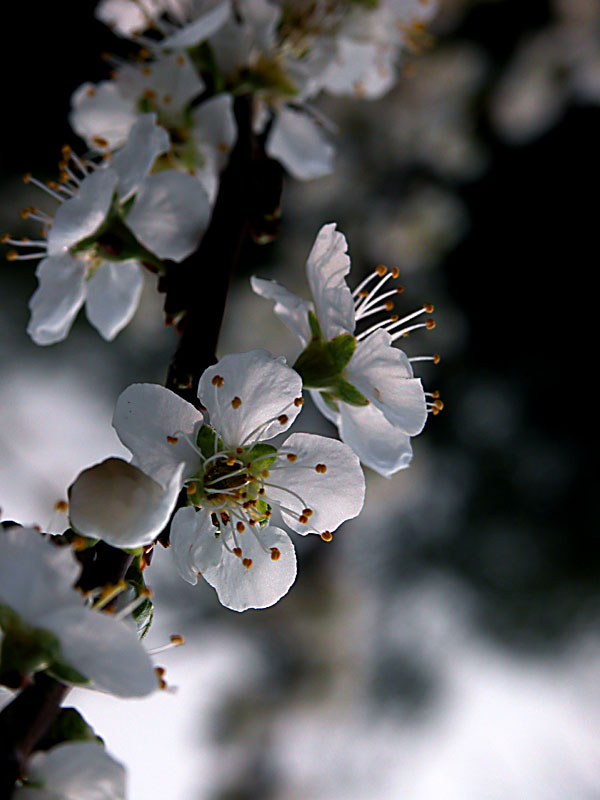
(109, 219)
(37, 584)
(236, 481)
(73, 771)
(379, 404)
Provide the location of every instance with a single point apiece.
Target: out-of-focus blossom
(46, 625)
(236, 480)
(109, 220)
(73, 771)
(358, 381)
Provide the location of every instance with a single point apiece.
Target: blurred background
(445, 645)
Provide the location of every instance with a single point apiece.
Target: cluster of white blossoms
(225, 482)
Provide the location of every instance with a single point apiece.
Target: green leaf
(26, 650)
(66, 674)
(206, 441)
(330, 401)
(348, 393)
(315, 328)
(261, 454)
(144, 613)
(8, 618)
(341, 349)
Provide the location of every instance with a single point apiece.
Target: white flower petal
(133, 162)
(193, 542)
(365, 69)
(127, 17)
(267, 581)
(101, 112)
(328, 413)
(378, 444)
(144, 416)
(213, 123)
(254, 401)
(326, 269)
(334, 495)
(384, 375)
(116, 502)
(170, 213)
(200, 29)
(35, 576)
(171, 79)
(300, 145)
(75, 771)
(291, 309)
(103, 649)
(113, 294)
(58, 298)
(82, 215)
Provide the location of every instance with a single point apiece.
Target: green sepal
(265, 75)
(26, 650)
(261, 451)
(8, 618)
(67, 726)
(320, 365)
(348, 393)
(315, 328)
(144, 613)
(66, 674)
(330, 401)
(206, 441)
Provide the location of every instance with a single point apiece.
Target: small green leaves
(206, 441)
(315, 328)
(348, 393)
(341, 349)
(260, 455)
(143, 613)
(321, 363)
(24, 650)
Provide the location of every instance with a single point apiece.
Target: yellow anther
(218, 381)
(428, 308)
(231, 461)
(389, 305)
(237, 551)
(282, 419)
(261, 491)
(236, 402)
(400, 289)
(435, 394)
(430, 324)
(275, 554)
(308, 512)
(395, 272)
(321, 468)
(292, 457)
(381, 270)
(247, 562)
(326, 536)
(27, 177)
(240, 527)
(438, 405)
(303, 519)
(61, 506)
(265, 473)
(394, 318)
(91, 92)
(79, 543)
(299, 401)
(436, 358)
(172, 439)
(5, 238)
(363, 293)
(25, 212)
(225, 517)
(99, 141)
(12, 255)
(239, 450)
(66, 149)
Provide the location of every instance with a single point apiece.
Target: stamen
(175, 641)
(247, 562)
(326, 536)
(144, 595)
(109, 593)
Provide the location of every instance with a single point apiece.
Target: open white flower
(109, 220)
(358, 380)
(39, 604)
(235, 479)
(73, 771)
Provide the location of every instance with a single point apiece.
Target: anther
(395, 273)
(99, 141)
(25, 212)
(172, 439)
(12, 255)
(308, 512)
(428, 307)
(27, 177)
(438, 405)
(400, 289)
(239, 450)
(326, 536)
(363, 293)
(237, 551)
(218, 381)
(389, 305)
(236, 402)
(436, 358)
(299, 401)
(247, 562)
(214, 520)
(225, 517)
(5, 238)
(381, 270)
(61, 506)
(265, 473)
(303, 519)
(231, 461)
(430, 324)
(240, 527)
(321, 468)
(291, 457)
(176, 639)
(282, 419)
(275, 554)
(261, 491)
(191, 489)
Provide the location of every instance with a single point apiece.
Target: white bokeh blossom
(73, 771)
(371, 395)
(236, 480)
(37, 598)
(111, 218)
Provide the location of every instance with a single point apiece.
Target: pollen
(236, 402)
(261, 491)
(430, 324)
(436, 358)
(428, 308)
(218, 381)
(240, 527)
(231, 461)
(61, 506)
(247, 562)
(389, 305)
(303, 519)
(214, 520)
(299, 401)
(275, 554)
(291, 457)
(225, 517)
(326, 536)
(321, 468)
(265, 473)
(25, 212)
(239, 450)
(176, 639)
(191, 489)
(172, 439)
(381, 270)
(308, 512)
(282, 419)
(27, 177)
(400, 289)
(395, 273)
(237, 551)
(100, 141)
(12, 255)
